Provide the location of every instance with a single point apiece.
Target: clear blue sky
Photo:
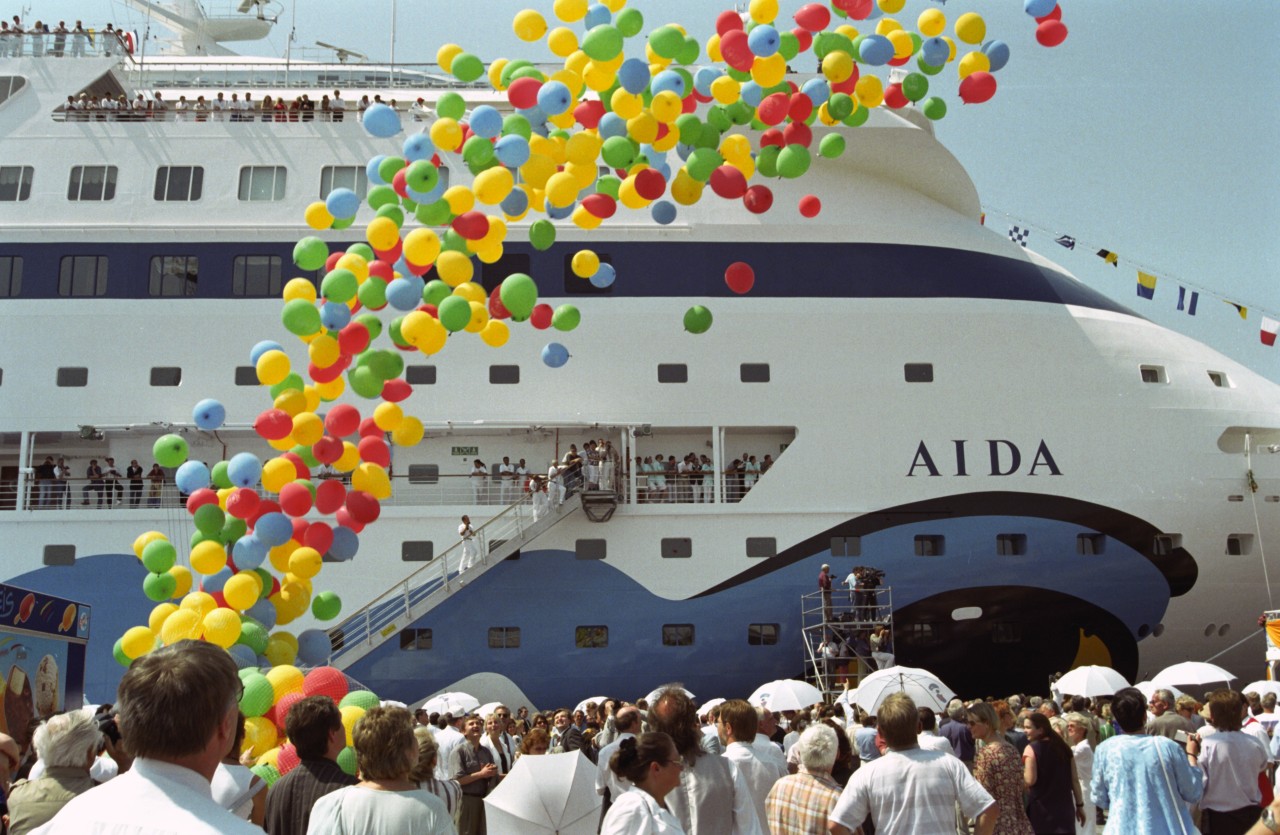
(1147, 132)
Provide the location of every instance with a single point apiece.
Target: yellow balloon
(285, 678)
(307, 428)
(182, 625)
(446, 133)
(222, 627)
(726, 90)
(356, 263)
(317, 215)
(421, 246)
(446, 54)
(470, 291)
(414, 325)
(324, 350)
(562, 42)
(350, 716)
(492, 185)
(371, 479)
(584, 263)
(537, 170)
(628, 195)
(454, 268)
(583, 175)
(146, 539)
(411, 430)
(208, 557)
(278, 472)
(495, 334)
(562, 189)
(903, 46)
(479, 315)
(931, 22)
(735, 146)
(951, 56)
(583, 219)
(598, 78)
(666, 106)
(382, 233)
(614, 6)
(713, 49)
(763, 11)
(182, 575)
(305, 562)
(460, 199)
(273, 366)
(223, 494)
(159, 615)
(351, 453)
(975, 61)
(331, 390)
(241, 591)
(280, 652)
(685, 190)
(769, 72)
(626, 105)
(891, 6)
(259, 735)
(299, 288)
(529, 26)
(971, 28)
(570, 11)
(837, 66)
(430, 342)
(279, 554)
(387, 416)
(137, 641)
(869, 90)
(667, 141)
(582, 148)
(291, 402)
(495, 72)
(643, 128)
(199, 602)
(886, 25)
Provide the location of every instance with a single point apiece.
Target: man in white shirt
(470, 548)
(219, 108)
(766, 727)
(737, 725)
(337, 107)
(609, 785)
(447, 739)
(507, 478)
(177, 751)
(928, 738)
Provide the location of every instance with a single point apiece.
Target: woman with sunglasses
(652, 766)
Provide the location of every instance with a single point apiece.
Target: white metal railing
(845, 620)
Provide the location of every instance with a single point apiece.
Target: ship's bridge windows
(1153, 374)
(1239, 544)
(677, 634)
(10, 85)
(344, 176)
(576, 285)
(15, 183)
(591, 637)
(179, 183)
(504, 637)
(92, 182)
(73, 377)
(1011, 544)
(1090, 544)
(1166, 543)
(412, 640)
(931, 545)
(918, 372)
(1220, 379)
(923, 633)
(754, 372)
(10, 276)
(174, 275)
(82, 275)
(256, 275)
(762, 634)
(671, 372)
(1006, 632)
(262, 183)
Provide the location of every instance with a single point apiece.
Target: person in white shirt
(470, 548)
(928, 738)
(507, 480)
(448, 738)
(177, 751)
(737, 725)
(653, 767)
(766, 726)
(498, 741)
(555, 486)
(608, 784)
(479, 475)
(337, 107)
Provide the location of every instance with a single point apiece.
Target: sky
(1145, 133)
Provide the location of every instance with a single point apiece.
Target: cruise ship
(1045, 477)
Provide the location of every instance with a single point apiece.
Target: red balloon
(977, 87)
(282, 713)
(736, 50)
(344, 518)
(813, 16)
(540, 317)
(353, 338)
(797, 133)
(589, 113)
(299, 465)
(396, 390)
(758, 199)
(325, 681)
(200, 498)
(399, 183)
(363, 507)
(342, 420)
(391, 255)
(650, 184)
(330, 494)
(274, 424)
(856, 9)
(728, 182)
(773, 109)
(688, 104)
(265, 506)
(295, 499)
(600, 205)
(327, 450)
(804, 37)
(772, 136)
(374, 450)
(471, 225)
(728, 21)
(243, 502)
(318, 536)
(1056, 14)
(378, 268)
(799, 108)
(523, 92)
(430, 310)
(325, 375)
(331, 262)
(898, 62)
(740, 277)
(848, 85)
(810, 205)
(894, 97)
(368, 427)
(497, 310)
(1051, 32)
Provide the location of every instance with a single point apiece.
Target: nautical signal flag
(1019, 235)
(1146, 285)
(1241, 309)
(1269, 329)
(1188, 304)
(1066, 240)
(1109, 256)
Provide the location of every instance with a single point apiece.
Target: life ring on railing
(129, 40)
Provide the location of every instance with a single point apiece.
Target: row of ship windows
(593, 637)
(185, 183)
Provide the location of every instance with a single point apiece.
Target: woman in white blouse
(652, 766)
(1081, 738)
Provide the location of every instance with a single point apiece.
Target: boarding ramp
(417, 594)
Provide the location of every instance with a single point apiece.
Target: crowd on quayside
(171, 756)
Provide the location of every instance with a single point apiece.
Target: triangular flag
(1067, 241)
(1241, 309)
(1190, 307)
(1146, 285)
(1109, 256)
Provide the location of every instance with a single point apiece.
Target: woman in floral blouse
(999, 769)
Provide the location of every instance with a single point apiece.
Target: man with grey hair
(800, 803)
(608, 784)
(67, 745)
(957, 732)
(763, 744)
(1163, 720)
(178, 713)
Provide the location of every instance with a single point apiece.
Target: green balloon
(393, 331)
(387, 364)
(603, 42)
(789, 46)
(629, 22)
(436, 291)
(718, 118)
(340, 285)
(347, 761)
(826, 42)
(254, 636)
(118, 654)
(689, 51)
(915, 86)
(455, 313)
(159, 556)
(740, 113)
(300, 317)
(475, 151)
(519, 293)
(170, 450)
(702, 162)
(857, 118)
(258, 693)
(566, 317)
(516, 125)
(159, 587)
(359, 698)
(927, 69)
(542, 234)
(380, 196)
(689, 126)
(197, 537)
(508, 72)
(293, 382)
(840, 105)
(233, 529)
(365, 383)
(306, 482)
(934, 108)
(830, 146)
(767, 161)
(422, 175)
(218, 475)
(666, 42)
(389, 167)
(697, 319)
(618, 152)
(467, 67)
(309, 253)
(268, 772)
(371, 323)
(392, 211)
(451, 241)
(742, 76)
(451, 105)
(209, 519)
(343, 222)
(794, 161)
(326, 605)
(608, 184)
(308, 458)
(433, 214)
(373, 293)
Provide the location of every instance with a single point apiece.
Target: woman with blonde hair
(424, 775)
(1082, 739)
(996, 766)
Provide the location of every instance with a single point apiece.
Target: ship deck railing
(847, 618)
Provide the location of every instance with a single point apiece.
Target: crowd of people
(39, 40)
(216, 107)
(103, 485)
(167, 757)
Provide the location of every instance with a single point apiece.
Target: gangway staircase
(417, 594)
(839, 620)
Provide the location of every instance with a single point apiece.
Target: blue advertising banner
(42, 653)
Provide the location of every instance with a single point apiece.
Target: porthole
(1223, 630)
(1210, 629)
(1157, 630)
(1144, 631)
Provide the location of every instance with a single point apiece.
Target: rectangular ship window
(590, 549)
(344, 176)
(1090, 544)
(413, 640)
(930, 546)
(1220, 379)
(1239, 544)
(492, 275)
(591, 637)
(59, 555)
(918, 372)
(420, 375)
(73, 377)
(1006, 632)
(762, 634)
(82, 275)
(15, 183)
(423, 550)
(162, 376)
(504, 637)
(673, 373)
(1011, 544)
(424, 473)
(846, 546)
(505, 375)
(677, 547)
(1166, 543)
(257, 276)
(95, 183)
(179, 183)
(677, 634)
(762, 546)
(246, 375)
(10, 276)
(754, 372)
(174, 276)
(262, 183)
(1153, 374)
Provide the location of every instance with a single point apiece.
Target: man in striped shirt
(799, 804)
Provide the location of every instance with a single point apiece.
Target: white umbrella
(1197, 673)
(599, 700)
(1091, 680)
(785, 694)
(1262, 688)
(488, 708)
(657, 691)
(455, 703)
(553, 793)
(924, 688)
(710, 705)
(1147, 688)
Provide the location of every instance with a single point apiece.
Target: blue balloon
(664, 211)
(704, 78)
(997, 53)
(243, 656)
(314, 647)
(191, 476)
(597, 15)
(668, 81)
(554, 354)
(818, 91)
(751, 93)
(512, 150)
(1039, 8)
(244, 469)
(633, 75)
(877, 50)
(342, 203)
(537, 119)
(516, 203)
(249, 552)
(611, 124)
(401, 294)
(427, 196)
(604, 276)
(345, 544)
(935, 51)
(256, 352)
(417, 146)
(764, 40)
(216, 582)
(561, 213)
(208, 414)
(334, 315)
(381, 121)
(371, 170)
(486, 121)
(263, 612)
(554, 98)
(273, 529)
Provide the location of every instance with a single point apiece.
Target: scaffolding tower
(838, 627)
